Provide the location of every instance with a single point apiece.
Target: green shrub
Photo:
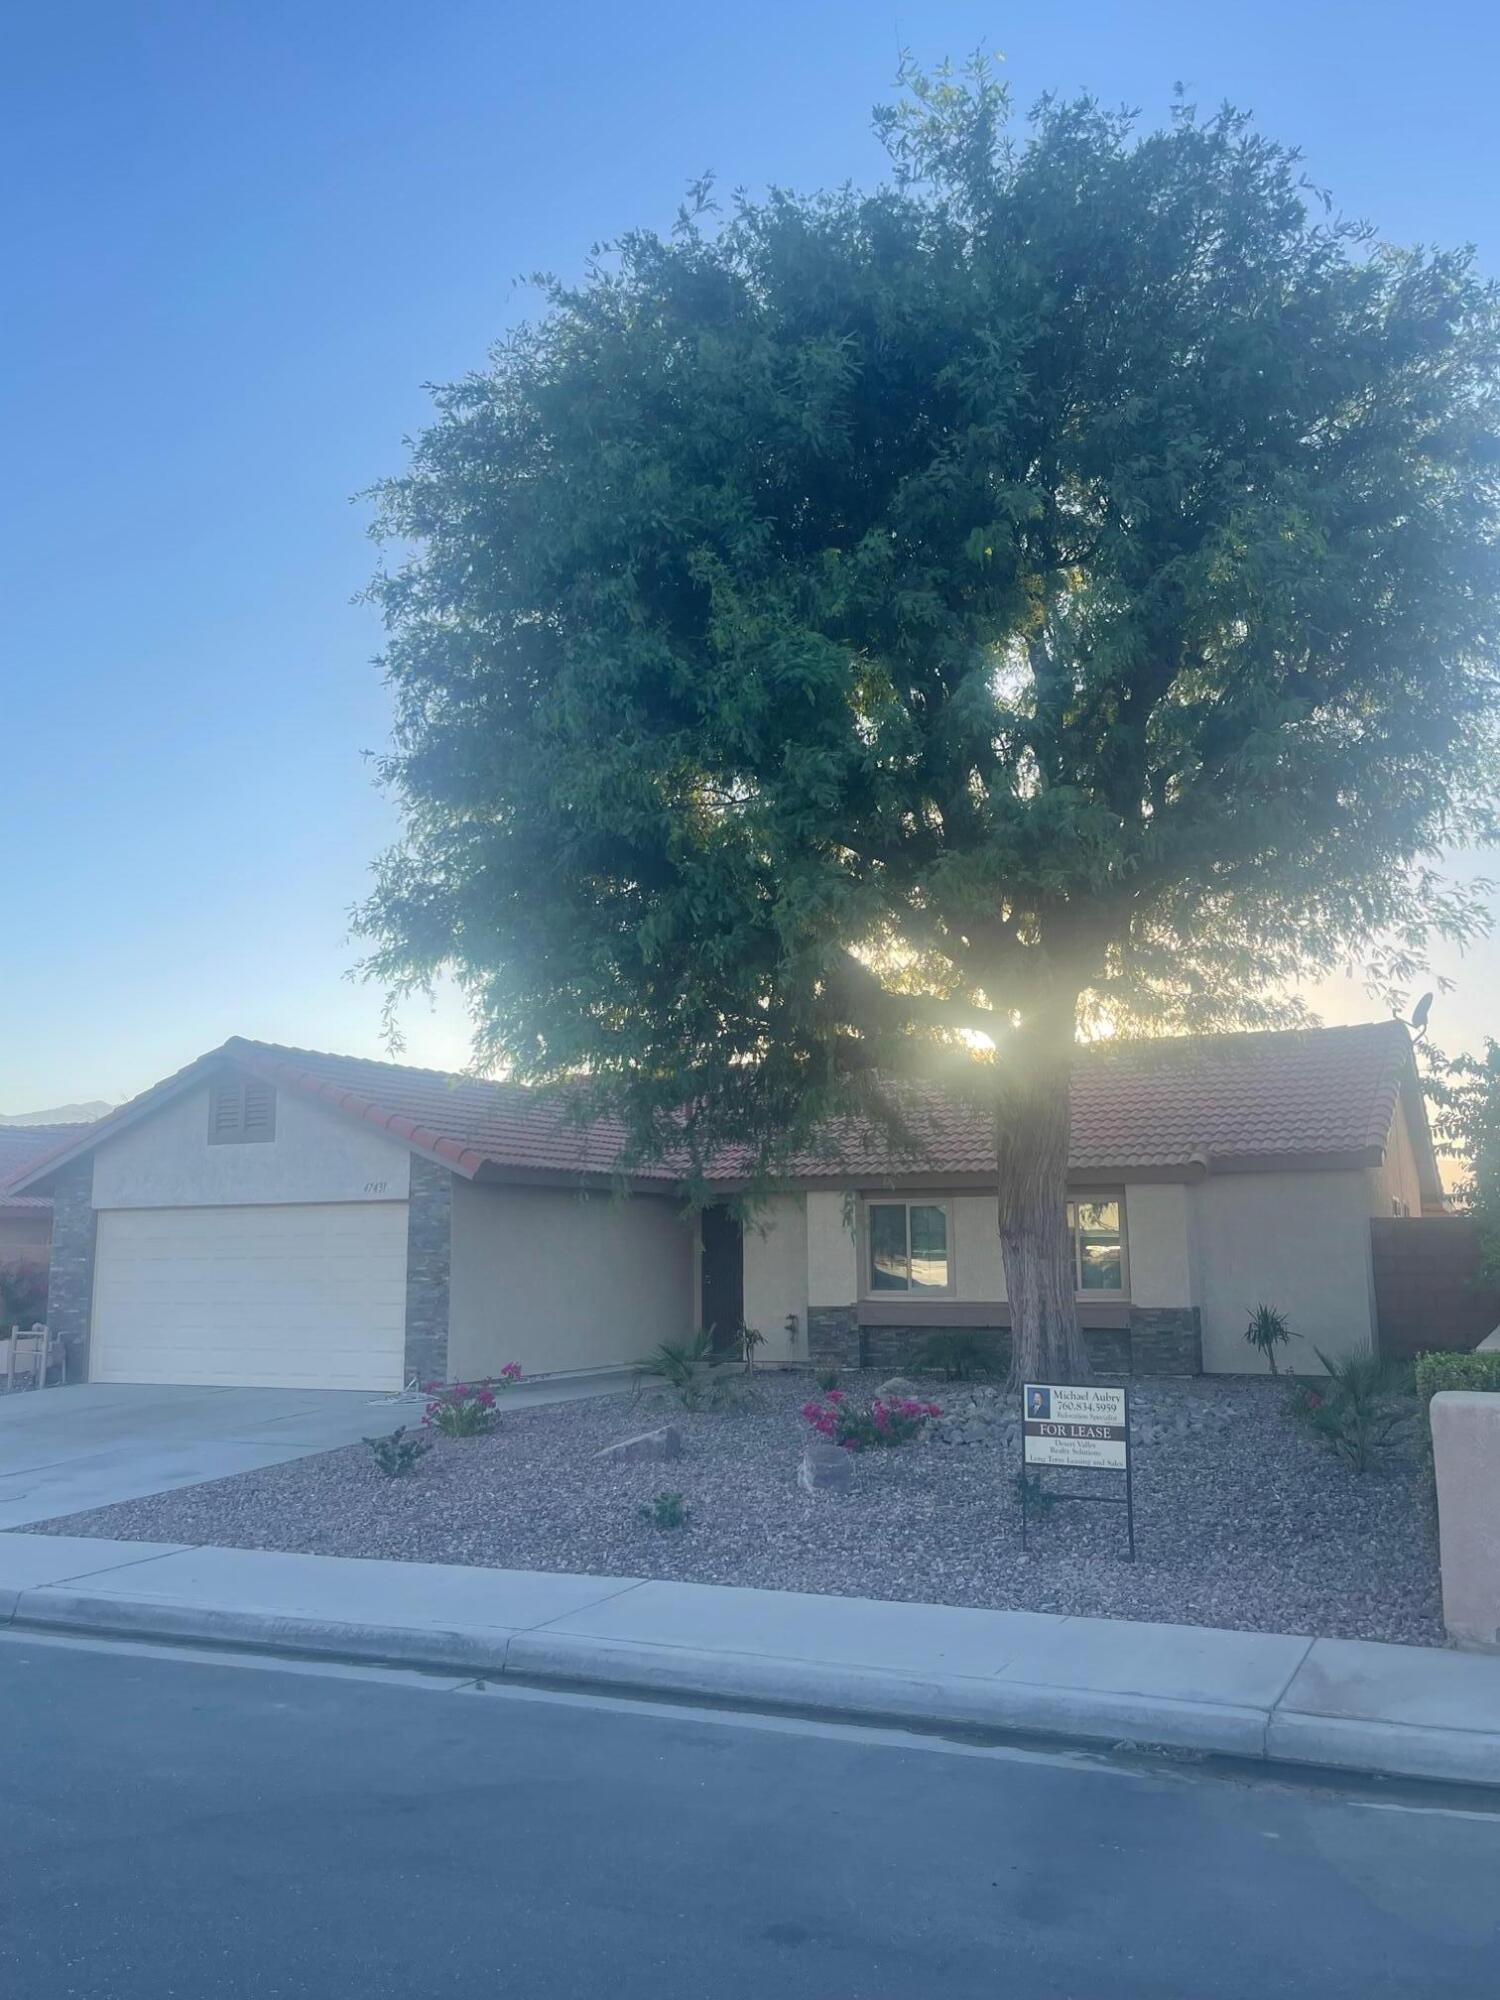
(1359, 1410)
(1455, 1371)
(23, 1293)
(666, 1511)
(397, 1454)
(828, 1378)
(1039, 1499)
(1268, 1330)
(691, 1370)
(960, 1354)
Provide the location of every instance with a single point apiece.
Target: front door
(723, 1267)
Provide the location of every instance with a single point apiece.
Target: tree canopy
(860, 631)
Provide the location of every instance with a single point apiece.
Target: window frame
(948, 1204)
(908, 1203)
(1076, 1198)
(239, 1133)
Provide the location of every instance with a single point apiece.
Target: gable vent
(241, 1111)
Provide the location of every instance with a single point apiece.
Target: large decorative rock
(898, 1390)
(1466, 1460)
(663, 1443)
(825, 1468)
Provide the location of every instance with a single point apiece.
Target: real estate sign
(1066, 1425)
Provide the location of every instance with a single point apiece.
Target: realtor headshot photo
(1039, 1402)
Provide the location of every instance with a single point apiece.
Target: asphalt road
(175, 1826)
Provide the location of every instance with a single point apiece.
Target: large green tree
(870, 637)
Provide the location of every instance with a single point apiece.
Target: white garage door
(310, 1298)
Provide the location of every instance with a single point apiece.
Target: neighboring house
(26, 1220)
(274, 1216)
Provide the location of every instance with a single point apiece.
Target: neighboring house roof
(20, 1147)
(1184, 1105)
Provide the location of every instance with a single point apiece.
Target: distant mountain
(65, 1114)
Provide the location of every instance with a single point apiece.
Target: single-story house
(26, 1219)
(279, 1217)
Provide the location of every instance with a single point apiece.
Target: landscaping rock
(899, 1390)
(1242, 1518)
(824, 1468)
(663, 1444)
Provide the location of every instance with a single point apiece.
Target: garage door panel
(307, 1297)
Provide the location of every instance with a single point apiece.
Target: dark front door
(723, 1243)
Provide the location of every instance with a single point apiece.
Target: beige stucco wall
(978, 1268)
(1396, 1178)
(317, 1155)
(1159, 1243)
(557, 1280)
(1299, 1242)
(776, 1277)
(831, 1261)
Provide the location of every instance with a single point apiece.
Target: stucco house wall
(1395, 1185)
(776, 1278)
(165, 1161)
(558, 1280)
(1296, 1241)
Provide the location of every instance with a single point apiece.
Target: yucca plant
(1268, 1330)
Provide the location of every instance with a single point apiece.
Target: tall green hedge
(1455, 1371)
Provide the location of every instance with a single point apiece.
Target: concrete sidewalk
(1402, 1711)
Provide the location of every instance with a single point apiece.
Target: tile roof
(20, 1145)
(1183, 1103)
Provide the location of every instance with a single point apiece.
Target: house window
(1098, 1244)
(241, 1111)
(908, 1246)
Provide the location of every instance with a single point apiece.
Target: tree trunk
(1031, 1144)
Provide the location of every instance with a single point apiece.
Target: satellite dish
(1418, 1021)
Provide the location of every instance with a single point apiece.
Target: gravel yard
(1241, 1519)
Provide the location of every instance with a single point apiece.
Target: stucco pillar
(1466, 1457)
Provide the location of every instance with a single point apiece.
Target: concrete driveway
(62, 1450)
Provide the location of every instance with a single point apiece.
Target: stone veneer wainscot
(429, 1257)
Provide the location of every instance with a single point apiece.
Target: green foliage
(1360, 1411)
(1268, 1330)
(691, 1370)
(1455, 1371)
(857, 1426)
(1466, 1095)
(23, 1292)
(461, 1409)
(959, 1354)
(1040, 1499)
(827, 1378)
(1060, 583)
(750, 1339)
(665, 1512)
(397, 1455)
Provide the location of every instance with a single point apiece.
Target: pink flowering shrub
(468, 1409)
(854, 1428)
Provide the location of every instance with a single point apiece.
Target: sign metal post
(1086, 1428)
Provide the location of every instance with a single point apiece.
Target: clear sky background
(238, 238)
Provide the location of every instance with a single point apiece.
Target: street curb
(1269, 1735)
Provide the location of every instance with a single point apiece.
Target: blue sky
(241, 235)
